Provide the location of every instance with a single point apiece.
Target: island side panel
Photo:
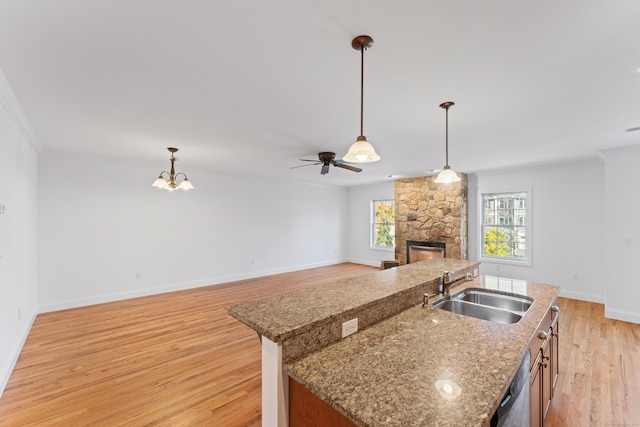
(275, 386)
(308, 410)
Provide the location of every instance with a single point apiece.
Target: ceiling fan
(326, 159)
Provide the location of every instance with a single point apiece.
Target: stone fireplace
(429, 212)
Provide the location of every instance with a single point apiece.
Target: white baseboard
(8, 368)
(582, 296)
(366, 261)
(118, 296)
(626, 316)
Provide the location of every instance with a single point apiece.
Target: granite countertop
(282, 316)
(386, 374)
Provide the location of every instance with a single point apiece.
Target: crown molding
(12, 106)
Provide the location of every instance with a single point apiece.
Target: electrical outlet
(138, 275)
(575, 277)
(475, 272)
(349, 327)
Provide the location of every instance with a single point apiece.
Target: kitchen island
(388, 373)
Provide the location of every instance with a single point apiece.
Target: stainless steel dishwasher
(513, 410)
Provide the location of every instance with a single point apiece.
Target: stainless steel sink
(512, 302)
(500, 307)
(478, 311)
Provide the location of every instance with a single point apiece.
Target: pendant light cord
(447, 138)
(361, 89)
(446, 106)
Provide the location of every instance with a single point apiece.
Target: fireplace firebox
(418, 250)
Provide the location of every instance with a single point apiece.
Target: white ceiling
(252, 86)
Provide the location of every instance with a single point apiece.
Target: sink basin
(512, 302)
(478, 311)
(501, 307)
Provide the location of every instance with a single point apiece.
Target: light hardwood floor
(175, 359)
(599, 383)
(178, 359)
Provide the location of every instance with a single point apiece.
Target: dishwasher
(513, 410)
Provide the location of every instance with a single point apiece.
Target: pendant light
(172, 184)
(361, 151)
(447, 175)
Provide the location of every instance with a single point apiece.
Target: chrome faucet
(447, 282)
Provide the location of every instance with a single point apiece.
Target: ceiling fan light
(361, 152)
(185, 185)
(159, 182)
(447, 176)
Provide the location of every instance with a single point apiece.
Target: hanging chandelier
(361, 151)
(447, 175)
(172, 183)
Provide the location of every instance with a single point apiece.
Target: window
(505, 226)
(383, 224)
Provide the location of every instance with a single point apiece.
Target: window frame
(527, 260)
(373, 224)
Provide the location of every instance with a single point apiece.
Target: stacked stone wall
(431, 212)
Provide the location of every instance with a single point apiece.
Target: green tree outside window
(496, 243)
(384, 223)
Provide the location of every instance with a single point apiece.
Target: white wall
(622, 242)
(100, 222)
(18, 180)
(359, 231)
(568, 226)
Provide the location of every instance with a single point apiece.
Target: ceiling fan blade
(325, 169)
(307, 160)
(308, 164)
(348, 167)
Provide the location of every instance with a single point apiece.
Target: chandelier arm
(163, 172)
(181, 173)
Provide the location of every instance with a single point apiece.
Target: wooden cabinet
(546, 377)
(536, 392)
(545, 367)
(308, 410)
(555, 346)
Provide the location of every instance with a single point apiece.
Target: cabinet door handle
(556, 310)
(543, 335)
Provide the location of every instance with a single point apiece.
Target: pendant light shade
(447, 175)
(361, 151)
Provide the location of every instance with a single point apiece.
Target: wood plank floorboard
(178, 359)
